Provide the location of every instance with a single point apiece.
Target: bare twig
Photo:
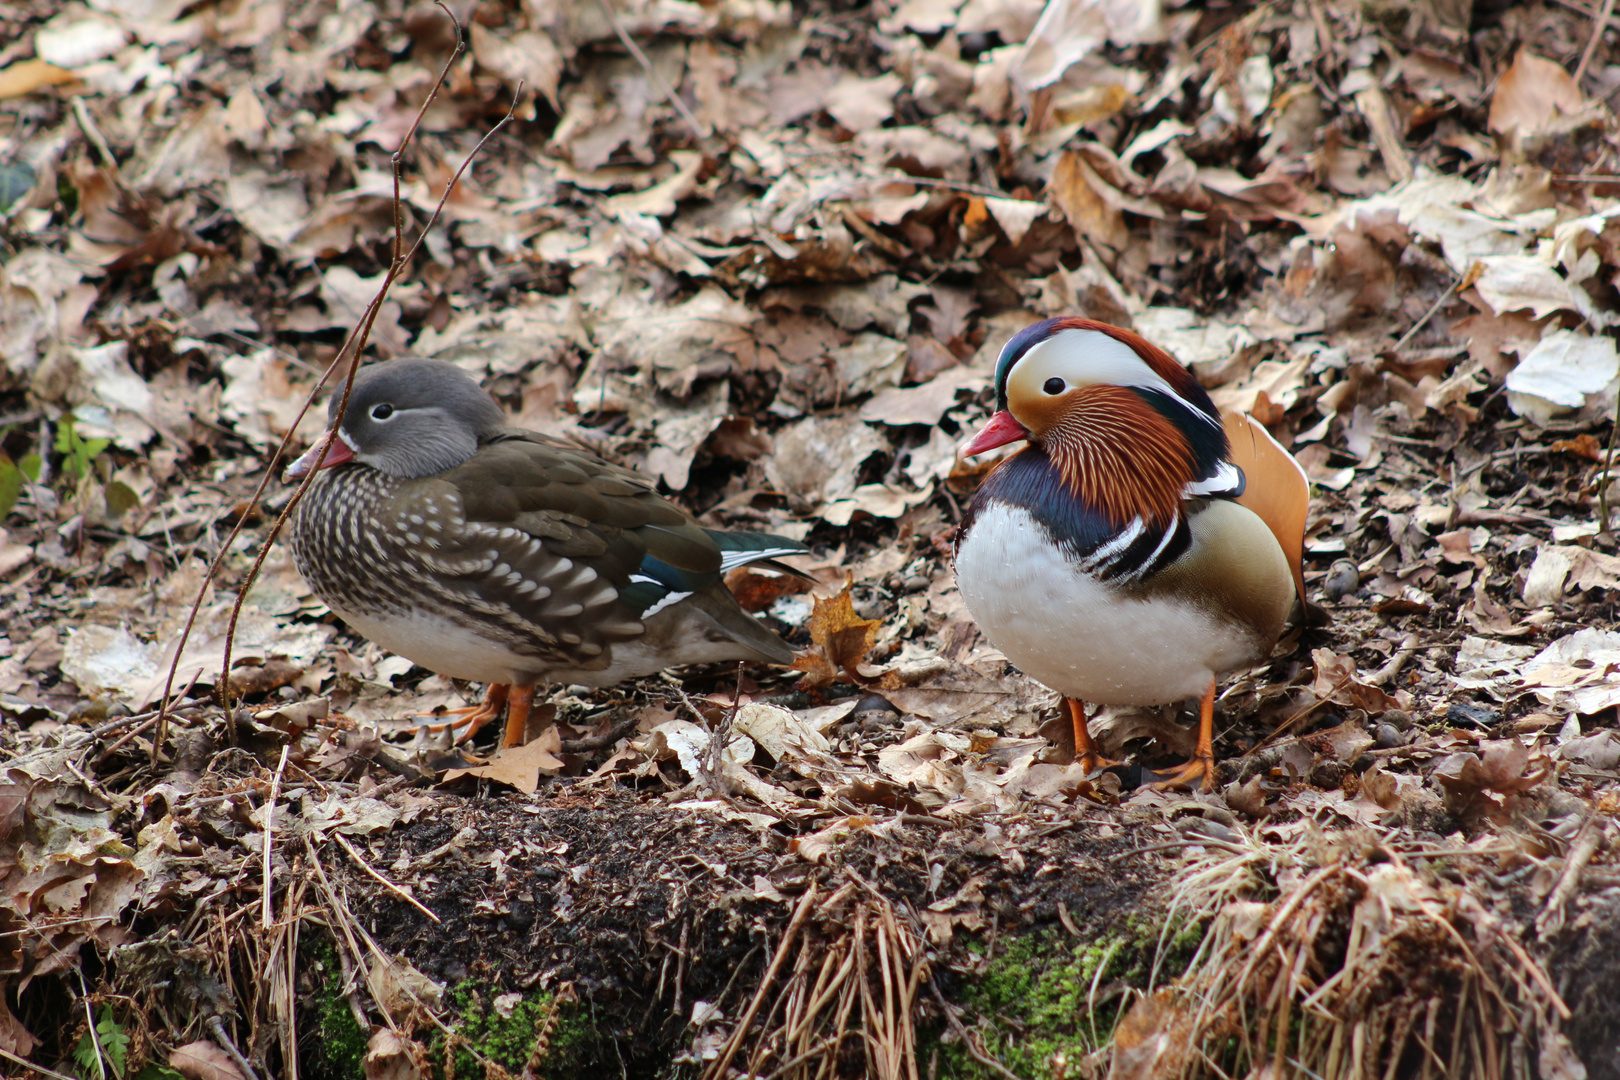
(356, 342)
(1423, 321)
(597, 742)
(30, 1066)
(1409, 646)
(90, 1020)
(384, 882)
(1374, 106)
(967, 1038)
(1598, 25)
(653, 77)
(266, 900)
(1603, 476)
(216, 1028)
(1581, 849)
(93, 134)
(802, 912)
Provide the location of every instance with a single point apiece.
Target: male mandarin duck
(502, 556)
(1140, 545)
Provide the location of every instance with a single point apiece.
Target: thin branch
(266, 902)
(1434, 308)
(216, 1027)
(967, 1037)
(735, 1042)
(31, 1067)
(653, 77)
(384, 882)
(1598, 25)
(93, 134)
(352, 349)
(1603, 476)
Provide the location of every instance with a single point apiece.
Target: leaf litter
(767, 253)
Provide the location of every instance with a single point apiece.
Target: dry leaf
(1530, 93)
(1561, 373)
(839, 638)
(26, 76)
(1075, 190)
(520, 767)
(391, 1056)
(1336, 681)
(202, 1060)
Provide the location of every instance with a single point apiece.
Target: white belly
(448, 648)
(441, 645)
(1085, 639)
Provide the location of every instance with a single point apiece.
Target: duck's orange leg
(1202, 766)
(1085, 751)
(517, 716)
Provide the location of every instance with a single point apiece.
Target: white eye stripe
(1090, 356)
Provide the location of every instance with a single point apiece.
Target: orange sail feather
(1277, 490)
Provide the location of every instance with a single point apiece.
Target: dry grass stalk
(861, 984)
(1347, 974)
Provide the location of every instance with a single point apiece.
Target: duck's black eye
(382, 412)
(1054, 385)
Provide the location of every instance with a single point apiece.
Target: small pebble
(1342, 580)
(1399, 719)
(1465, 714)
(972, 44)
(874, 703)
(873, 713)
(521, 917)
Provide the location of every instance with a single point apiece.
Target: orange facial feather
(1120, 455)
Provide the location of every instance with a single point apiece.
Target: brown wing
(1277, 490)
(537, 543)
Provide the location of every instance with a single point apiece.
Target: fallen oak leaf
(518, 766)
(839, 639)
(1510, 766)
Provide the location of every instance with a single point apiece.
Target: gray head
(410, 418)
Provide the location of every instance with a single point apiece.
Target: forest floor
(767, 251)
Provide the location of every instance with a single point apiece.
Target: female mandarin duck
(502, 556)
(1140, 545)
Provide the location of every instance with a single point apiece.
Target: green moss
(507, 1035)
(1029, 1006)
(338, 1049)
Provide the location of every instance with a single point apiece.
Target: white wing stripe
(1227, 479)
(672, 598)
(730, 560)
(1115, 547)
(1150, 563)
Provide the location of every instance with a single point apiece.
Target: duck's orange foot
(1200, 771)
(1091, 761)
(471, 718)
